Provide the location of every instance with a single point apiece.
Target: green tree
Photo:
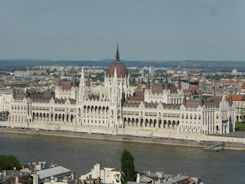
(127, 167)
(8, 162)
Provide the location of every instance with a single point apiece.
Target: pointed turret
(82, 75)
(82, 86)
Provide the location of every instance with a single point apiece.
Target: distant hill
(226, 66)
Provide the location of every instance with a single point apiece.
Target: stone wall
(124, 131)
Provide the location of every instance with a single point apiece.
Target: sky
(156, 30)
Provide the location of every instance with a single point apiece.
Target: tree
(127, 167)
(8, 162)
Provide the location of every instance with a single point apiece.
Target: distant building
(105, 175)
(51, 173)
(162, 178)
(5, 100)
(21, 74)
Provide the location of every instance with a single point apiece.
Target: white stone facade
(112, 109)
(165, 96)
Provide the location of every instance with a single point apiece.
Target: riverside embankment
(124, 138)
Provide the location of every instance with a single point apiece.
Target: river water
(80, 155)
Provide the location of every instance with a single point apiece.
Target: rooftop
(52, 172)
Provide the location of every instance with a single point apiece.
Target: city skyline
(90, 30)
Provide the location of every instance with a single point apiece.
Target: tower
(116, 102)
(82, 86)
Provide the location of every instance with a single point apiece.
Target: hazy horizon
(170, 30)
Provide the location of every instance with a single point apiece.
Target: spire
(117, 54)
(82, 79)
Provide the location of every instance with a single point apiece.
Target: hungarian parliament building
(117, 109)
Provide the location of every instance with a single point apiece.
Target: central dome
(122, 71)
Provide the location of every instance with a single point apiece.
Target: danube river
(80, 155)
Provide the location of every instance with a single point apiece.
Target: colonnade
(95, 110)
(53, 117)
(150, 123)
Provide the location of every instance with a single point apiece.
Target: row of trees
(8, 162)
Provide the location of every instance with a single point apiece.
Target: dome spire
(117, 54)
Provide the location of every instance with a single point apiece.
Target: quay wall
(140, 135)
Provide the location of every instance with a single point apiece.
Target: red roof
(236, 97)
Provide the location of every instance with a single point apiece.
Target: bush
(8, 162)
